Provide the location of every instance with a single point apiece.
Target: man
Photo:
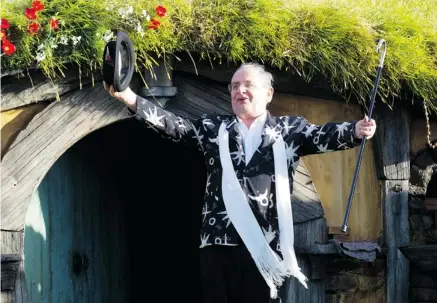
(247, 225)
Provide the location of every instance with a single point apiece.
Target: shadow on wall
(116, 217)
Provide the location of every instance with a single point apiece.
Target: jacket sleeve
(175, 127)
(332, 136)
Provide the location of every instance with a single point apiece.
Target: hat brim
(119, 62)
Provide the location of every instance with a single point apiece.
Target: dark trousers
(229, 275)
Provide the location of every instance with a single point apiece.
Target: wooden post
(396, 235)
(392, 145)
(159, 82)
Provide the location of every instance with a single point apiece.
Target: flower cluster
(154, 23)
(49, 42)
(33, 26)
(8, 47)
(31, 15)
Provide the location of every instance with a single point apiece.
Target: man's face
(249, 93)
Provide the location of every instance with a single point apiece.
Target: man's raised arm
(173, 125)
(334, 136)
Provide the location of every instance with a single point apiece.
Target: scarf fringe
(274, 271)
(271, 268)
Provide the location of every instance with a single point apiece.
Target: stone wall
(353, 281)
(422, 221)
(423, 229)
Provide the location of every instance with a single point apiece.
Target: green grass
(336, 39)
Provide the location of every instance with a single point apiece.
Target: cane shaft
(360, 155)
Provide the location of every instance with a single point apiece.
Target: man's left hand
(365, 128)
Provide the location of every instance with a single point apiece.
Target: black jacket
(256, 177)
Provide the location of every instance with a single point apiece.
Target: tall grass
(333, 38)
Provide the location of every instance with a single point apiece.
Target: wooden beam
(396, 235)
(392, 159)
(22, 89)
(392, 143)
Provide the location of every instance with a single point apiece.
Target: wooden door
(74, 239)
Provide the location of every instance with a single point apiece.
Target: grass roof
(333, 38)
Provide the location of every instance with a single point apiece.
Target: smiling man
(246, 250)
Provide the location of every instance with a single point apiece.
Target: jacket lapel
(271, 131)
(236, 144)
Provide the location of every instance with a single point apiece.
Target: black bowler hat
(118, 62)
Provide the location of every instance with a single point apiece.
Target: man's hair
(261, 70)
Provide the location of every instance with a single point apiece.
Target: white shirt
(251, 137)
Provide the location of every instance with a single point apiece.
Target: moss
(332, 38)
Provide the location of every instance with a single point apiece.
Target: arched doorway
(116, 219)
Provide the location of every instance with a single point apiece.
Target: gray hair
(266, 76)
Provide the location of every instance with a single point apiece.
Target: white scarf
(272, 268)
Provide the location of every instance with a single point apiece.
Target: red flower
(154, 24)
(37, 5)
(5, 24)
(33, 27)
(30, 13)
(8, 48)
(54, 23)
(3, 35)
(160, 10)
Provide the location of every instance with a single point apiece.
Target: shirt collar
(260, 120)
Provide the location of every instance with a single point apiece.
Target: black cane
(363, 142)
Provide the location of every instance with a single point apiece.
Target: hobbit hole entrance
(117, 209)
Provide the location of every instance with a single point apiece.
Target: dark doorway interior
(161, 185)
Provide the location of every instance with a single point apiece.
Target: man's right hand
(127, 96)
